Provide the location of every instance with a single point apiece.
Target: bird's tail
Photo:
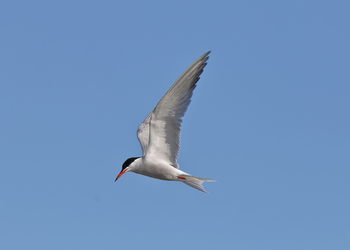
(195, 182)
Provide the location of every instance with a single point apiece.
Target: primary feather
(159, 133)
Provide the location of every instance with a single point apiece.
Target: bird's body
(159, 133)
(156, 168)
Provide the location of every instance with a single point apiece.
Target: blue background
(269, 120)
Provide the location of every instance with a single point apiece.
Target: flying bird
(159, 133)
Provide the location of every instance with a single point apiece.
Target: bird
(159, 133)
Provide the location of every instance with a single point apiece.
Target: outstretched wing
(159, 134)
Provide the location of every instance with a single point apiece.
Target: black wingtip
(206, 54)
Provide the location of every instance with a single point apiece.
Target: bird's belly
(159, 170)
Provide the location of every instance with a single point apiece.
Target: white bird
(159, 133)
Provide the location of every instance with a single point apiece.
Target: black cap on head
(128, 162)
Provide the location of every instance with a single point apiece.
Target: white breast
(157, 169)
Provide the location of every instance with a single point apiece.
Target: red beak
(120, 174)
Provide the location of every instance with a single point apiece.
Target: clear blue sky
(269, 120)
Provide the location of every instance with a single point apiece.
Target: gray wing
(164, 123)
(143, 133)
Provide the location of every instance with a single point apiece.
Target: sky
(269, 120)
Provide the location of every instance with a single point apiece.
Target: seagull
(159, 133)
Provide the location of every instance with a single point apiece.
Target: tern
(159, 133)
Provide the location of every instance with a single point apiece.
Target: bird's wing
(143, 133)
(159, 134)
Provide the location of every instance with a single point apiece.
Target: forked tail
(195, 182)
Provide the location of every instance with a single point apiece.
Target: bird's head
(127, 165)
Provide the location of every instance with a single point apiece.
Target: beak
(121, 173)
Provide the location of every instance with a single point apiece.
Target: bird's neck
(137, 164)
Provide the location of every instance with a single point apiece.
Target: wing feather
(159, 134)
(143, 133)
